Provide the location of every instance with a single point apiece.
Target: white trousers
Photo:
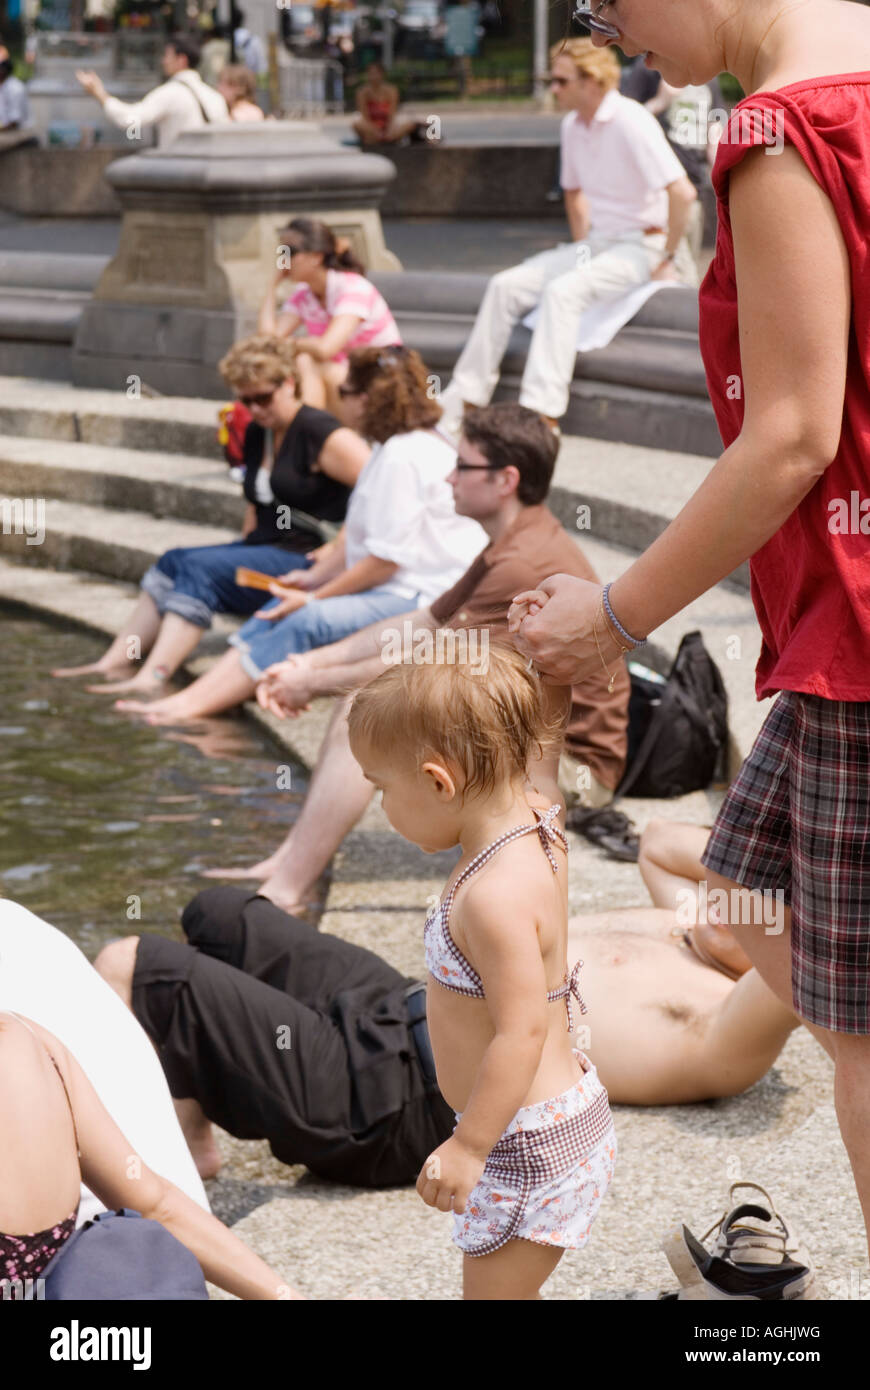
(565, 281)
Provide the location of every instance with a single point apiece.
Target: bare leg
(133, 641)
(116, 963)
(852, 1098)
(670, 860)
(312, 388)
(226, 685)
(515, 1272)
(770, 953)
(200, 1137)
(336, 799)
(176, 639)
(332, 374)
(369, 134)
(745, 1036)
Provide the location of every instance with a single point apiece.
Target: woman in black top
(300, 466)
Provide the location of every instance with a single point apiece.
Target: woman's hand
(299, 579)
(286, 688)
(290, 601)
(553, 625)
(448, 1176)
(667, 272)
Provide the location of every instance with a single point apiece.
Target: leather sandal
(607, 828)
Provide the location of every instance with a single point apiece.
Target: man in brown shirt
(504, 467)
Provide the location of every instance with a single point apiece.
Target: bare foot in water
(167, 711)
(93, 668)
(140, 684)
(200, 1138)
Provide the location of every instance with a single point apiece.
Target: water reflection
(97, 811)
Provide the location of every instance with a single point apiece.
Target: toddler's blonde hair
(488, 725)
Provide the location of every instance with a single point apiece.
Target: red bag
(233, 420)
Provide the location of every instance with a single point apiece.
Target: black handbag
(677, 727)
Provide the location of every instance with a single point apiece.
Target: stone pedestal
(198, 246)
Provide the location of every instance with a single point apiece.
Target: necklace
(775, 19)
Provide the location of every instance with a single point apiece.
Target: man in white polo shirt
(627, 199)
(184, 102)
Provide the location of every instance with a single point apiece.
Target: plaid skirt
(796, 823)
(546, 1177)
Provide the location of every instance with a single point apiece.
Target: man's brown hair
(512, 434)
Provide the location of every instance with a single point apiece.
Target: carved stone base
(198, 247)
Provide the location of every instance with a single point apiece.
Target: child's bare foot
(93, 668)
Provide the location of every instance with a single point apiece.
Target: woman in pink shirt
(333, 302)
(785, 336)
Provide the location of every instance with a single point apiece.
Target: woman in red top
(785, 335)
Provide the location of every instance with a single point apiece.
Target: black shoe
(610, 830)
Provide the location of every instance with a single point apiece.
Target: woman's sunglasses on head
(586, 13)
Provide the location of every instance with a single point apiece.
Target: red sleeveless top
(811, 581)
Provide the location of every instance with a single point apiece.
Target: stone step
(57, 410)
(118, 544)
(180, 486)
(97, 449)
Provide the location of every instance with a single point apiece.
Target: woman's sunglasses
(263, 399)
(586, 13)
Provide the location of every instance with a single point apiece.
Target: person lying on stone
(502, 476)
(331, 300)
(301, 465)
(273, 1030)
(401, 544)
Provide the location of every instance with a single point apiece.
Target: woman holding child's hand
(563, 628)
(783, 325)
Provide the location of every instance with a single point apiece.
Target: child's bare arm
(499, 923)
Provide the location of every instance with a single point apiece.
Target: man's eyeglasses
(586, 13)
(460, 466)
(262, 399)
(346, 390)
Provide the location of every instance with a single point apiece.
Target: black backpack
(678, 727)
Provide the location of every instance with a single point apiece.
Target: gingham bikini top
(444, 960)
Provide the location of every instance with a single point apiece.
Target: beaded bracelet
(634, 642)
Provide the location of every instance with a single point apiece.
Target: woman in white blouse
(401, 546)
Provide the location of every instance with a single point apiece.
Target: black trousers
(287, 1034)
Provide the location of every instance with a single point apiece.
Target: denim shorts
(261, 643)
(198, 581)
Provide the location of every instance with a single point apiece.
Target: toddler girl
(530, 1159)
